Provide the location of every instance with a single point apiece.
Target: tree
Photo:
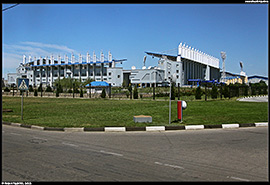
(135, 93)
(103, 93)
(172, 91)
(253, 89)
(130, 90)
(31, 88)
(81, 93)
(226, 92)
(35, 92)
(214, 92)
(262, 87)
(57, 92)
(245, 90)
(198, 93)
(6, 89)
(40, 87)
(48, 89)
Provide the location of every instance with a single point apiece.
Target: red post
(179, 110)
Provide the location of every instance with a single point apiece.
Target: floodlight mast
(241, 66)
(223, 56)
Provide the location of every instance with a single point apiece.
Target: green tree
(31, 88)
(35, 92)
(40, 87)
(130, 90)
(198, 93)
(48, 89)
(253, 89)
(225, 91)
(81, 93)
(245, 90)
(135, 92)
(6, 89)
(103, 93)
(214, 92)
(172, 91)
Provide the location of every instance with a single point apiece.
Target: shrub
(81, 93)
(6, 89)
(226, 92)
(40, 87)
(35, 92)
(103, 94)
(214, 92)
(31, 88)
(198, 93)
(135, 93)
(57, 92)
(48, 89)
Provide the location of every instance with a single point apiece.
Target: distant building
(189, 63)
(47, 70)
(231, 78)
(188, 66)
(257, 79)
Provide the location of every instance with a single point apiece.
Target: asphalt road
(200, 155)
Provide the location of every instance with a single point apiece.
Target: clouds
(50, 46)
(13, 53)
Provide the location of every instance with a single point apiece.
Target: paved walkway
(263, 98)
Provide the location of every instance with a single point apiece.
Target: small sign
(23, 84)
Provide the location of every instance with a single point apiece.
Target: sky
(129, 30)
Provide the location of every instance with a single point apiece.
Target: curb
(227, 126)
(146, 128)
(194, 127)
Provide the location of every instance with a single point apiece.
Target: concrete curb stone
(228, 126)
(53, 129)
(94, 129)
(146, 128)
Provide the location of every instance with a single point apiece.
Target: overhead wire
(10, 7)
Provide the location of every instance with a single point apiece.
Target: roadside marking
(111, 153)
(155, 128)
(194, 127)
(169, 165)
(115, 129)
(230, 126)
(240, 179)
(261, 124)
(69, 144)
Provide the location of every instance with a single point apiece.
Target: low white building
(257, 79)
(189, 63)
(47, 70)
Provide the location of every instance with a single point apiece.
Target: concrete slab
(142, 119)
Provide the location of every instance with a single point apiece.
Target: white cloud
(13, 53)
(51, 46)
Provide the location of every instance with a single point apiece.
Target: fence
(158, 92)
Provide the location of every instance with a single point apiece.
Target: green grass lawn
(60, 112)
